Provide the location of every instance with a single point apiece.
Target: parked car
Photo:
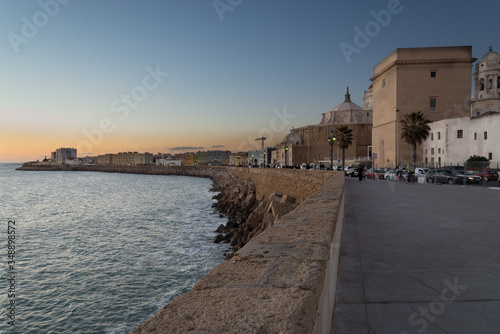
(390, 175)
(352, 171)
(443, 176)
(487, 174)
(379, 174)
(471, 177)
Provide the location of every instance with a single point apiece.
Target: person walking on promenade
(360, 172)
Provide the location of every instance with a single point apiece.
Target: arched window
(498, 82)
(490, 84)
(481, 84)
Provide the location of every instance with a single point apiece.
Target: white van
(421, 171)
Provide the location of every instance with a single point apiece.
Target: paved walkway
(420, 258)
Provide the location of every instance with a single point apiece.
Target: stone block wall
(293, 182)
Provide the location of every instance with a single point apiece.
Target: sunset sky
(189, 75)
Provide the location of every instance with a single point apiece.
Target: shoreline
(247, 216)
(284, 227)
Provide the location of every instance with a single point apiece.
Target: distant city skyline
(175, 76)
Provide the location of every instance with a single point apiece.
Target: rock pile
(247, 216)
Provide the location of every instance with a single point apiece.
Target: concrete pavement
(420, 258)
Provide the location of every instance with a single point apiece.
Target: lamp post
(286, 155)
(397, 136)
(307, 132)
(331, 140)
(251, 162)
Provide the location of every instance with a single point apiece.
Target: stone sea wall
(282, 281)
(284, 227)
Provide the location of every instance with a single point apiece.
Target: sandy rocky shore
(236, 198)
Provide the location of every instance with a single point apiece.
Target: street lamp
(331, 140)
(397, 136)
(286, 155)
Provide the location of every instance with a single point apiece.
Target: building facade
(65, 153)
(435, 81)
(452, 141)
(309, 144)
(125, 159)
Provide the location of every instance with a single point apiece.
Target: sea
(91, 252)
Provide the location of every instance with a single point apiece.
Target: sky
(187, 75)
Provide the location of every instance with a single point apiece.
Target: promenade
(420, 258)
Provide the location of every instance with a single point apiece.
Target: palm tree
(415, 129)
(343, 137)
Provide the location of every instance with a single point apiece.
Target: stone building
(435, 81)
(309, 144)
(454, 140)
(125, 158)
(64, 153)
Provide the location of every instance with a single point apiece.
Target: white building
(168, 162)
(452, 141)
(65, 153)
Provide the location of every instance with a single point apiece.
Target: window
(439, 135)
(481, 84)
(460, 133)
(433, 102)
(498, 82)
(433, 74)
(432, 136)
(383, 82)
(485, 135)
(439, 150)
(475, 135)
(490, 156)
(425, 151)
(432, 150)
(490, 84)
(439, 160)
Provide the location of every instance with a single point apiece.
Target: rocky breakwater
(247, 216)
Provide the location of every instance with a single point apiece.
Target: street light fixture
(397, 136)
(286, 155)
(331, 140)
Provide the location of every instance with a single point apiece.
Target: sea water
(99, 252)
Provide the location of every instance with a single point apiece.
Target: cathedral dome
(293, 138)
(490, 56)
(347, 104)
(489, 62)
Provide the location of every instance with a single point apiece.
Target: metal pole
(331, 155)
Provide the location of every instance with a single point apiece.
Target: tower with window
(486, 85)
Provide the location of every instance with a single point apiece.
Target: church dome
(490, 56)
(293, 138)
(489, 62)
(347, 104)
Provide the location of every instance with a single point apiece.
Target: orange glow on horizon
(35, 145)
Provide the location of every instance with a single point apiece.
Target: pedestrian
(360, 173)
